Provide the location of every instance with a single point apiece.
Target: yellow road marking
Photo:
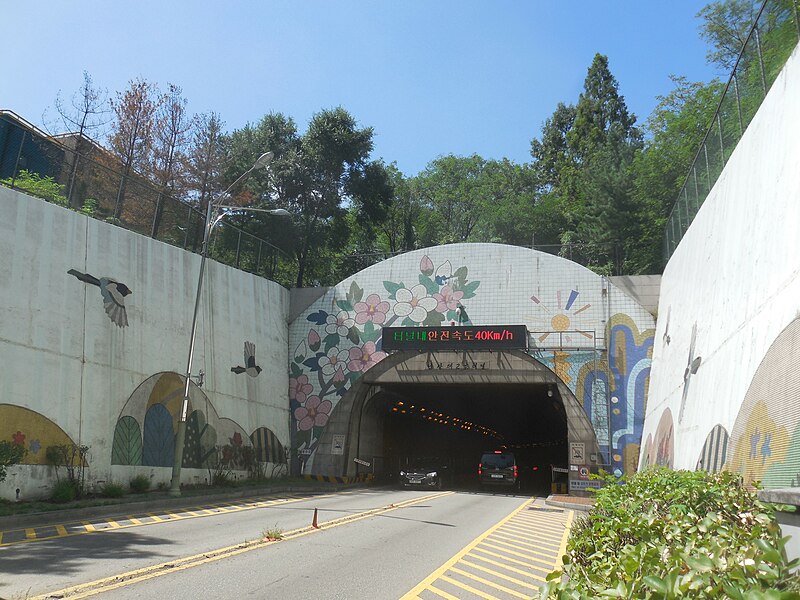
(513, 580)
(513, 560)
(469, 588)
(30, 534)
(563, 548)
(87, 527)
(125, 579)
(61, 530)
(425, 583)
(439, 592)
(502, 588)
(513, 553)
(514, 539)
(548, 555)
(507, 567)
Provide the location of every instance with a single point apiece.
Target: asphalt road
(368, 543)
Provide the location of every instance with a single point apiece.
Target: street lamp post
(214, 214)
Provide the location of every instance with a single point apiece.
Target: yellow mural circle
(560, 322)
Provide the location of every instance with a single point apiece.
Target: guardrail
(771, 40)
(77, 173)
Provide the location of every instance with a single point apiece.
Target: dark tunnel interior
(455, 424)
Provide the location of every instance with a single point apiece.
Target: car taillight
(515, 471)
(480, 468)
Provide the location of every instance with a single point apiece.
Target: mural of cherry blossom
(343, 342)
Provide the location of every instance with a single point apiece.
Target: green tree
(675, 128)
(317, 176)
(725, 26)
(10, 454)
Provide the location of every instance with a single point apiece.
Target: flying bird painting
(250, 367)
(113, 293)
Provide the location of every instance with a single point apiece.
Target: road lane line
(514, 560)
(426, 583)
(513, 580)
(562, 550)
(468, 588)
(488, 583)
(507, 567)
(439, 592)
(92, 588)
(84, 527)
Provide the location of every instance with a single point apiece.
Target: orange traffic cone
(314, 520)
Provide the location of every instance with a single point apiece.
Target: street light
(214, 215)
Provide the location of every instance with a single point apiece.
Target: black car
(426, 474)
(498, 468)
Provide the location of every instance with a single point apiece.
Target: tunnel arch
(590, 339)
(359, 416)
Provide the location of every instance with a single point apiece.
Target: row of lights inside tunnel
(443, 419)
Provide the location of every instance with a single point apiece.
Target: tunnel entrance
(454, 424)
(452, 407)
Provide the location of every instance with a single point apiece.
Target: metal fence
(77, 173)
(771, 40)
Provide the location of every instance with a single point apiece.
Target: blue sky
(431, 77)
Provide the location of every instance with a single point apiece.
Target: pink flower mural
(364, 357)
(299, 388)
(447, 299)
(372, 309)
(313, 414)
(343, 339)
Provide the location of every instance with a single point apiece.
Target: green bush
(676, 534)
(41, 187)
(10, 454)
(63, 491)
(112, 490)
(140, 484)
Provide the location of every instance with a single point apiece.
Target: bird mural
(250, 367)
(113, 293)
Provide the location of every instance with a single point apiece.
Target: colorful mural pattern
(209, 438)
(344, 340)
(715, 450)
(765, 440)
(31, 430)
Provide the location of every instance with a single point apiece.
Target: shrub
(10, 454)
(112, 490)
(41, 187)
(63, 491)
(140, 484)
(675, 534)
(89, 208)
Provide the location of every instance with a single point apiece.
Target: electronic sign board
(456, 337)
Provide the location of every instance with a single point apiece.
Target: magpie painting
(113, 293)
(250, 367)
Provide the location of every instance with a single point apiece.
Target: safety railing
(79, 174)
(772, 38)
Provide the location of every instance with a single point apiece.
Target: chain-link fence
(77, 173)
(772, 39)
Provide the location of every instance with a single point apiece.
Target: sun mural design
(562, 319)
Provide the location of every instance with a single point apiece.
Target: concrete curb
(125, 508)
(570, 505)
